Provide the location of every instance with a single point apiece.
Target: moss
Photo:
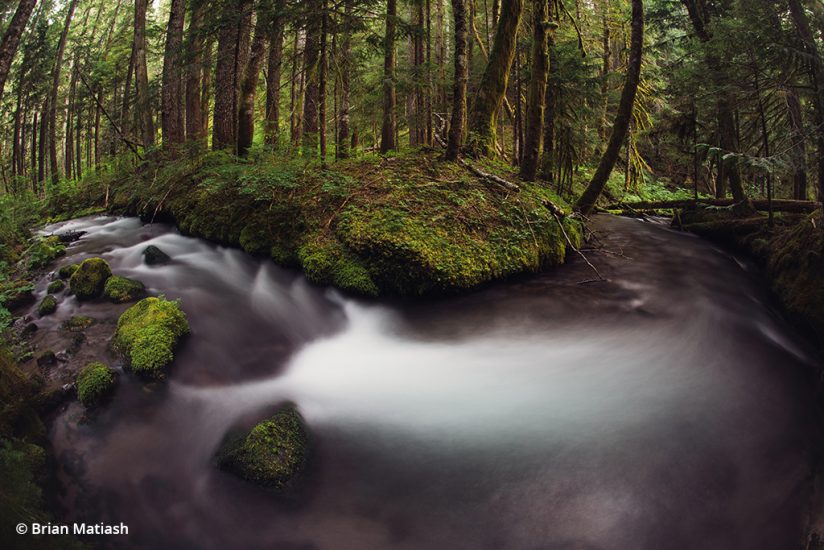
(67, 271)
(147, 334)
(95, 383)
(43, 251)
(121, 290)
(77, 323)
(326, 261)
(48, 305)
(90, 278)
(272, 453)
(56, 286)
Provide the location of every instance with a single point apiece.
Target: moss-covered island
(148, 333)
(271, 454)
(95, 383)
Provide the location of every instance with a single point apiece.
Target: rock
(62, 356)
(56, 286)
(46, 359)
(147, 334)
(29, 329)
(70, 236)
(95, 383)
(67, 271)
(48, 305)
(152, 255)
(121, 290)
(90, 278)
(77, 323)
(271, 454)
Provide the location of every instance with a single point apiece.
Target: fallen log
(778, 205)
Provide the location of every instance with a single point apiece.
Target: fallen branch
(576, 249)
(778, 205)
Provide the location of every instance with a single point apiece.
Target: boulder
(90, 278)
(95, 383)
(121, 289)
(152, 255)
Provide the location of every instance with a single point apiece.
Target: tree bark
(248, 87)
(230, 55)
(389, 127)
(345, 65)
(623, 117)
(172, 114)
(58, 66)
(799, 145)
(311, 67)
(273, 74)
(11, 38)
(141, 74)
(194, 72)
(457, 124)
(547, 158)
(493, 84)
(536, 95)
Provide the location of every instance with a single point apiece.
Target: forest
(284, 242)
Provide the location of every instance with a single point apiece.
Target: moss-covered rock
(121, 289)
(48, 305)
(152, 255)
(77, 323)
(67, 271)
(95, 383)
(147, 334)
(56, 286)
(271, 454)
(90, 278)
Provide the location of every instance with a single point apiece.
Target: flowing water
(667, 408)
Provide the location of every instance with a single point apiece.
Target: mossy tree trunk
(141, 74)
(58, 66)
(492, 87)
(311, 64)
(623, 117)
(194, 72)
(536, 95)
(248, 86)
(548, 156)
(11, 38)
(389, 127)
(345, 64)
(457, 124)
(172, 119)
(273, 74)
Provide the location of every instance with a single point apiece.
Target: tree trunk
(537, 91)
(229, 57)
(389, 127)
(547, 158)
(586, 203)
(345, 65)
(141, 74)
(173, 123)
(458, 123)
(273, 73)
(248, 87)
(492, 88)
(322, 80)
(194, 73)
(58, 66)
(11, 38)
(311, 68)
(799, 145)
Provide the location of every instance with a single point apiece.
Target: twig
(569, 242)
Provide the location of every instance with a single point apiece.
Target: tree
(587, 200)
(345, 66)
(273, 75)
(311, 64)
(248, 87)
(195, 130)
(458, 121)
(172, 118)
(536, 97)
(11, 38)
(492, 87)
(141, 73)
(58, 65)
(388, 128)
(231, 58)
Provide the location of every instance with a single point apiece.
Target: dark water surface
(666, 409)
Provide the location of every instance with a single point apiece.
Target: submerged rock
(90, 278)
(121, 289)
(95, 383)
(147, 334)
(77, 323)
(48, 305)
(271, 453)
(152, 255)
(56, 286)
(46, 359)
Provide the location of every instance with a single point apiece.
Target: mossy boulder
(90, 278)
(67, 271)
(95, 383)
(147, 334)
(56, 286)
(121, 289)
(271, 454)
(152, 255)
(48, 305)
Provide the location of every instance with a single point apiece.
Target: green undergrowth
(408, 224)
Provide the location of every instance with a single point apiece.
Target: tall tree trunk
(623, 117)
(248, 87)
(536, 96)
(492, 88)
(799, 145)
(389, 127)
(206, 77)
(345, 65)
(458, 123)
(322, 80)
(230, 55)
(311, 68)
(11, 38)
(58, 66)
(41, 147)
(143, 105)
(273, 74)
(173, 122)
(547, 158)
(194, 72)
(605, 69)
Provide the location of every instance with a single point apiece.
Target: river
(669, 407)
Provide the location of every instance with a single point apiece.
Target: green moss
(326, 261)
(56, 286)
(43, 251)
(272, 453)
(67, 271)
(121, 290)
(148, 332)
(77, 323)
(95, 383)
(48, 305)
(90, 278)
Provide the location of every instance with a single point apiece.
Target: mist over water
(667, 408)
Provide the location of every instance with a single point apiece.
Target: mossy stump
(90, 278)
(147, 334)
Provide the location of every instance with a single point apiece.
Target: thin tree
(457, 124)
(231, 42)
(587, 200)
(273, 74)
(11, 38)
(58, 65)
(172, 117)
(194, 72)
(536, 95)
(141, 73)
(345, 67)
(389, 128)
(311, 62)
